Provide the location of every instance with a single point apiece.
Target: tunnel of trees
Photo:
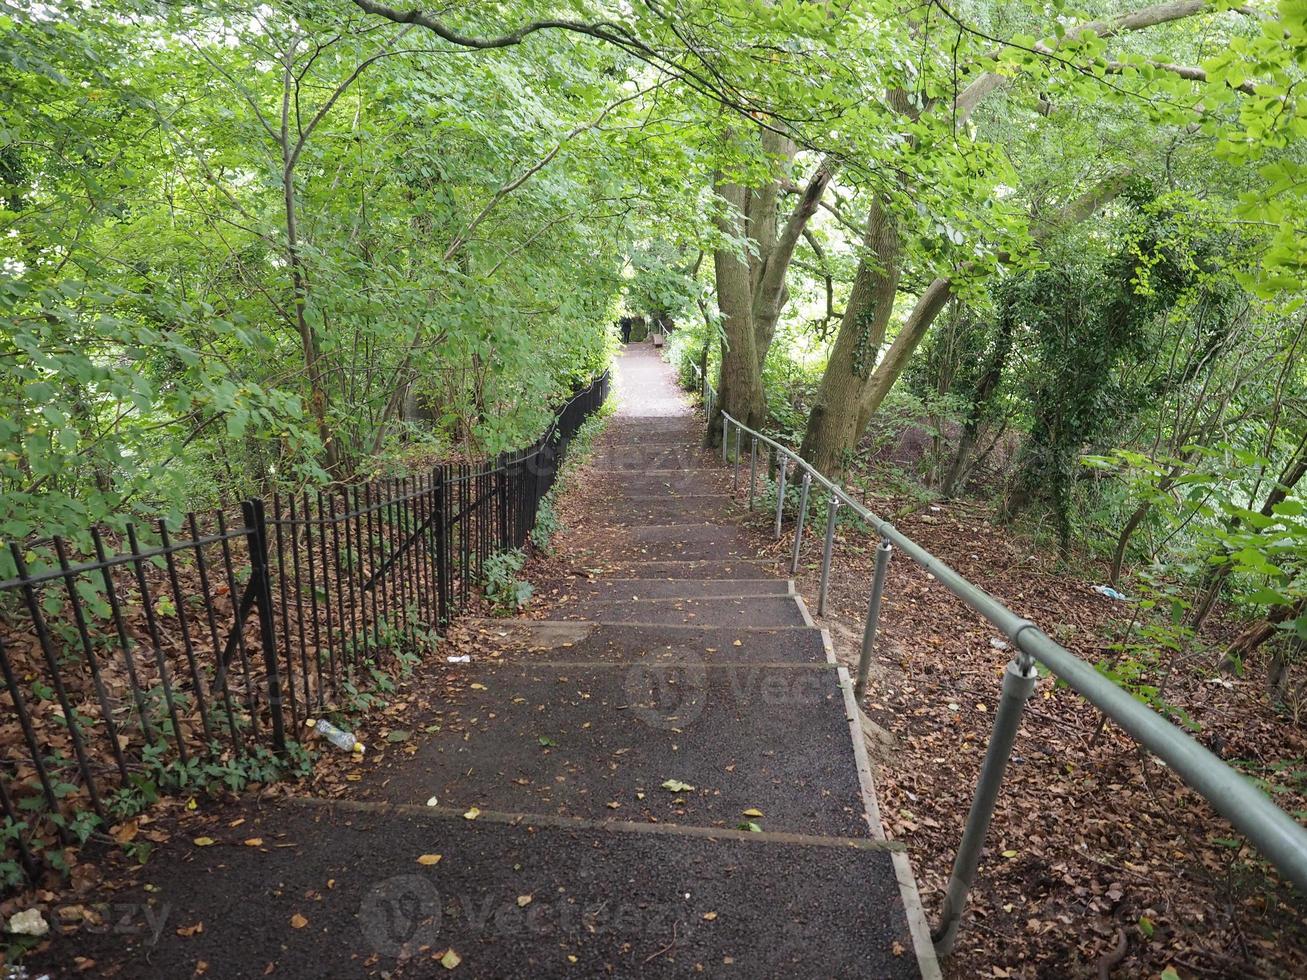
(1043, 258)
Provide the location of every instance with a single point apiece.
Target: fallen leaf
(676, 786)
(189, 931)
(450, 959)
(254, 842)
(125, 832)
(298, 921)
(524, 900)
(709, 916)
(203, 841)
(753, 811)
(472, 813)
(429, 859)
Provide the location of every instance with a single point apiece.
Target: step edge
(445, 814)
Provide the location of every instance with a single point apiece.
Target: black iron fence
(183, 648)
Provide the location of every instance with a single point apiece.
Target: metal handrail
(1280, 838)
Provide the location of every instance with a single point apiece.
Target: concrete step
(725, 611)
(676, 570)
(689, 428)
(537, 640)
(515, 897)
(610, 484)
(665, 542)
(698, 509)
(581, 588)
(640, 459)
(598, 741)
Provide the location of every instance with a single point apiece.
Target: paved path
(667, 773)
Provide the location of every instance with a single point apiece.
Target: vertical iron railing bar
(238, 625)
(152, 628)
(261, 582)
(404, 570)
(441, 493)
(357, 567)
(422, 554)
(344, 592)
(124, 641)
(378, 590)
(92, 662)
(314, 617)
(188, 648)
(400, 576)
(201, 566)
(299, 607)
(283, 593)
(33, 743)
(464, 537)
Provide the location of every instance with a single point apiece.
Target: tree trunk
(318, 398)
(740, 392)
(830, 434)
(833, 441)
(1246, 643)
(954, 479)
(751, 291)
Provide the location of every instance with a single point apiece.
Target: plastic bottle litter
(1110, 593)
(341, 739)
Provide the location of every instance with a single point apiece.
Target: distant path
(662, 778)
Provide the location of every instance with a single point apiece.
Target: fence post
(442, 547)
(780, 497)
(256, 532)
(831, 508)
(883, 553)
(1018, 681)
(803, 519)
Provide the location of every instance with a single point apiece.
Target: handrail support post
(753, 470)
(832, 508)
(780, 496)
(883, 553)
(1018, 683)
(803, 519)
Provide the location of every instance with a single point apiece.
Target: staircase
(663, 776)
